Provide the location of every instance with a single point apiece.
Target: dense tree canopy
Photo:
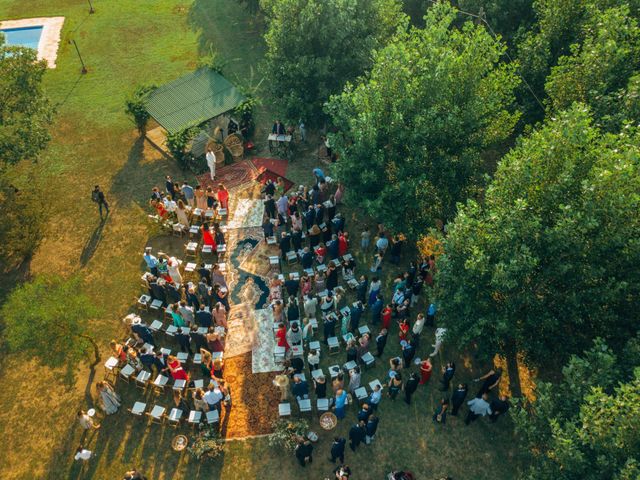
(549, 261)
(25, 112)
(410, 134)
(601, 69)
(506, 17)
(316, 46)
(48, 318)
(587, 426)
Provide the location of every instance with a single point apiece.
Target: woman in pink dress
(220, 315)
(223, 196)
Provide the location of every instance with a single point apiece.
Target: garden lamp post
(91, 10)
(84, 68)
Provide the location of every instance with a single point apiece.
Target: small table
(279, 144)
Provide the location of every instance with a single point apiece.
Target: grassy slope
(126, 43)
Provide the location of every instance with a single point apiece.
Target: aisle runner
(262, 352)
(248, 213)
(242, 330)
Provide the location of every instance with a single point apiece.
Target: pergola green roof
(192, 99)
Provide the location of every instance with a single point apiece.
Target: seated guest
(300, 388)
(203, 317)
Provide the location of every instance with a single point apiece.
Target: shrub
(135, 106)
(287, 432)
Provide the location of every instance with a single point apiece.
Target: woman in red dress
(425, 371)
(223, 196)
(281, 336)
(207, 237)
(160, 210)
(343, 244)
(386, 317)
(404, 329)
(177, 372)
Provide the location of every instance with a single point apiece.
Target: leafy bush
(206, 445)
(246, 111)
(286, 433)
(177, 144)
(135, 106)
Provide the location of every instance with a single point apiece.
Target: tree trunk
(96, 350)
(511, 356)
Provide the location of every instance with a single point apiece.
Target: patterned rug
(232, 176)
(248, 213)
(270, 175)
(277, 165)
(242, 330)
(264, 343)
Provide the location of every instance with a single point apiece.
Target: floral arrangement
(286, 433)
(206, 445)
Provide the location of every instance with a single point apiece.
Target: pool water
(23, 37)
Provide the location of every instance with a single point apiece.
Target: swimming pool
(23, 37)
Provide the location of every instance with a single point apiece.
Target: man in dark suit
(410, 387)
(310, 217)
(371, 428)
(160, 362)
(307, 258)
(204, 318)
(357, 435)
(205, 273)
(292, 286)
(142, 331)
(296, 240)
(197, 339)
(363, 414)
(147, 359)
(499, 407)
(184, 340)
(277, 128)
(337, 449)
(304, 452)
(381, 341)
(355, 312)
(285, 245)
(361, 289)
(270, 207)
(457, 398)
(157, 292)
(333, 247)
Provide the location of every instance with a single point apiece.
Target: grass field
(125, 43)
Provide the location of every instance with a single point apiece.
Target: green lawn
(125, 43)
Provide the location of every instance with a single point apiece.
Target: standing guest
(355, 312)
(419, 324)
(87, 422)
(386, 314)
(408, 352)
(371, 428)
(357, 435)
(98, 197)
(364, 412)
(201, 198)
(310, 305)
(83, 454)
(282, 382)
(395, 385)
(352, 350)
(223, 196)
(313, 359)
(337, 449)
(374, 290)
(354, 380)
(343, 244)
(281, 337)
(416, 288)
(179, 402)
(307, 258)
(304, 452)
(267, 228)
(151, 261)
(477, 407)
(499, 406)
(404, 329)
(303, 131)
(440, 334)
(294, 334)
(188, 193)
(396, 249)
(109, 400)
(447, 374)
(203, 317)
(307, 331)
(186, 312)
(182, 214)
(338, 382)
(361, 289)
(134, 474)
(376, 310)
(285, 245)
(329, 327)
(213, 397)
(211, 162)
(340, 403)
(292, 285)
(277, 128)
(425, 370)
(320, 386)
(217, 276)
(170, 187)
(365, 239)
(207, 236)
(431, 314)
(332, 277)
(410, 387)
(381, 244)
(305, 285)
(376, 265)
(491, 380)
(184, 340)
(375, 397)
(440, 415)
(381, 341)
(457, 398)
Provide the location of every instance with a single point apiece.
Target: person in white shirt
(83, 454)
(310, 305)
(419, 325)
(314, 360)
(170, 204)
(211, 162)
(213, 397)
(478, 407)
(173, 267)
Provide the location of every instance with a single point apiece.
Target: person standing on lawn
(457, 398)
(499, 407)
(357, 435)
(478, 407)
(381, 341)
(410, 387)
(371, 428)
(337, 449)
(98, 197)
(304, 452)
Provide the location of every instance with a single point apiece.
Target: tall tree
(549, 261)
(411, 133)
(506, 17)
(314, 47)
(25, 111)
(48, 318)
(599, 70)
(587, 425)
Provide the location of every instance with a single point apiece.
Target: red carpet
(270, 175)
(277, 165)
